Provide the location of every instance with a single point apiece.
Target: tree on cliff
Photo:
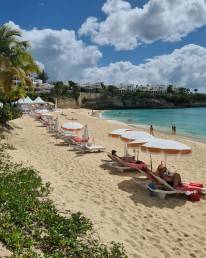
(43, 76)
(170, 89)
(75, 90)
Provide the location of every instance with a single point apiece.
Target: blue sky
(121, 38)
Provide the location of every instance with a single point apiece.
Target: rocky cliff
(115, 102)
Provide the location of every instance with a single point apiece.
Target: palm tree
(16, 63)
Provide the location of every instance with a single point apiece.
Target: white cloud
(63, 56)
(126, 27)
(184, 67)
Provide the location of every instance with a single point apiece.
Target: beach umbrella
(117, 133)
(85, 136)
(72, 126)
(141, 138)
(38, 100)
(129, 136)
(21, 101)
(135, 145)
(166, 147)
(27, 100)
(140, 141)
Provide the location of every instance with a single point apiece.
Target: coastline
(119, 209)
(158, 129)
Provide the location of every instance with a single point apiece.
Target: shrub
(9, 112)
(31, 226)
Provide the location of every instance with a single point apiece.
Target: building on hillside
(156, 89)
(126, 87)
(43, 88)
(91, 87)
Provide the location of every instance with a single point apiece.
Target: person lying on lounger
(130, 159)
(174, 179)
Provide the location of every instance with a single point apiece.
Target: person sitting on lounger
(126, 158)
(174, 179)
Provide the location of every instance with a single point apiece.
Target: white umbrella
(117, 133)
(140, 141)
(27, 100)
(85, 136)
(72, 126)
(166, 147)
(134, 135)
(39, 100)
(135, 145)
(141, 138)
(21, 101)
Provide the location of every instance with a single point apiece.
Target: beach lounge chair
(88, 147)
(158, 186)
(120, 166)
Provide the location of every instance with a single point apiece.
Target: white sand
(120, 211)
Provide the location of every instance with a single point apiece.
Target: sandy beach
(120, 211)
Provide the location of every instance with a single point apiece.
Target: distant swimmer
(151, 130)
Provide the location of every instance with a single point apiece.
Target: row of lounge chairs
(77, 143)
(144, 177)
(149, 180)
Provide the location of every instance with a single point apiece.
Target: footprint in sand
(115, 230)
(117, 223)
(102, 214)
(131, 242)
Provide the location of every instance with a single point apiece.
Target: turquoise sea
(188, 121)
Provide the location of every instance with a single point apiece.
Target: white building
(152, 88)
(91, 86)
(43, 88)
(126, 87)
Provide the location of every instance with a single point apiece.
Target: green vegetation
(31, 226)
(16, 63)
(112, 97)
(8, 112)
(43, 76)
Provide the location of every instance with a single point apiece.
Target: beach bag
(194, 197)
(196, 184)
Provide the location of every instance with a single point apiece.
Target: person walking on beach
(173, 129)
(151, 130)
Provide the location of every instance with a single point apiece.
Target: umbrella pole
(151, 161)
(138, 154)
(165, 160)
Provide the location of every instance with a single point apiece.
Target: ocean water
(188, 121)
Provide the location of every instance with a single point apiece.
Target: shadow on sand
(140, 195)
(41, 126)
(115, 172)
(65, 144)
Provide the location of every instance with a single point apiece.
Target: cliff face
(115, 102)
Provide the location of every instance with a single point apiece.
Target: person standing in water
(174, 129)
(151, 130)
